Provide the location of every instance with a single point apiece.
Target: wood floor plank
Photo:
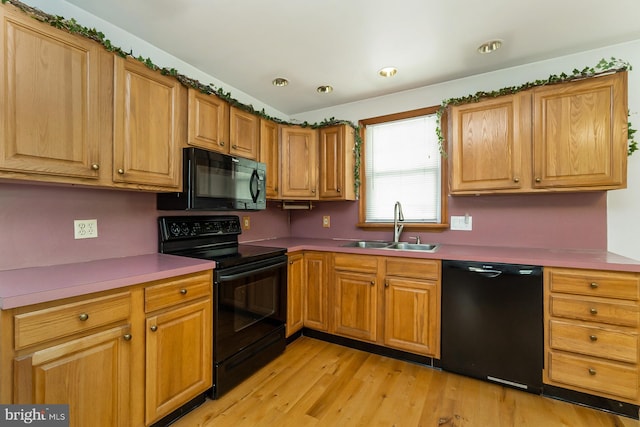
(315, 383)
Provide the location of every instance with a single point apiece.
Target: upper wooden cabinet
(270, 155)
(563, 137)
(299, 163)
(208, 122)
(49, 109)
(337, 159)
(244, 134)
(149, 126)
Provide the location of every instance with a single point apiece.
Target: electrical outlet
(246, 222)
(326, 221)
(463, 223)
(85, 228)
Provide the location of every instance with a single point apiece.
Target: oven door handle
(229, 277)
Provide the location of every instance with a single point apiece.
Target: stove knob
(185, 229)
(174, 229)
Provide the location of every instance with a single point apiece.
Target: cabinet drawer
(594, 310)
(415, 268)
(365, 263)
(594, 341)
(63, 320)
(599, 376)
(175, 291)
(607, 284)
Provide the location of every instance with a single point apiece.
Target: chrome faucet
(397, 218)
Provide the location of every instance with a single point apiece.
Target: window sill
(407, 226)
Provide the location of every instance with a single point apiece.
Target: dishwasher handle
(491, 273)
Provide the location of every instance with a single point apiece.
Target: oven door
(250, 303)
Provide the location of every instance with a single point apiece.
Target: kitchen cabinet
(295, 293)
(179, 343)
(149, 126)
(299, 163)
(50, 109)
(562, 137)
(316, 302)
(244, 134)
(65, 352)
(208, 121)
(337, 158)
(412, 305)
(355, 294)
(591, 330)
(270, 155)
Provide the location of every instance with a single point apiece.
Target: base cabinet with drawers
(592, 321)
(126, 357)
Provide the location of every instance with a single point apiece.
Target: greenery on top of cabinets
(613, 65)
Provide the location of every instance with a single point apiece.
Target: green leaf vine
(613, 65)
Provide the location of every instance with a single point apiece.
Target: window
(402, 162)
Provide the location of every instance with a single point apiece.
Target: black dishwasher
(492, 325)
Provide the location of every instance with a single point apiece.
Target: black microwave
(216, 181)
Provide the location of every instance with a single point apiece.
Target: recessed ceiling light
(388, 71)
(324, 89)
(490, 46)
(280, 81)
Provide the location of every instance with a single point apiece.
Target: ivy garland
(614, 65)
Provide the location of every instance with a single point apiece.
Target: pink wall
(36, 224)
(571, 221)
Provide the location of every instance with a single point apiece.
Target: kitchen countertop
(571, 258)
(33, 285)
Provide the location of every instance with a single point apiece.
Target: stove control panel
(172, 228)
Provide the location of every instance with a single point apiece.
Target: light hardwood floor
(315, 383)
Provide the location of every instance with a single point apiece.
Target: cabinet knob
(83, 316)
(221, 143)
(538, 180)
(154, 328)
(516, 180)
(373, 282)
(313, 191)
(386, 283)
(127, 337)
(234, 146)
(593, 310)
(338, 190)
(183, 291)
(593, 338)
(95, 166)
(121, 171)
(592, 371)
(594, 285)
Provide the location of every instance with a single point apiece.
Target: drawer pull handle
(594, 285)
(593, 310)
(592, 371)
(593, 338)
(183, 291)
(127, 337)
(154, 328)
(84, 317)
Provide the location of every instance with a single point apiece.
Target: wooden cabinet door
(299, 163)
(149, 126)
(489, 142)
(244, 134)
(316, 303)
(336, 163)
(49, 104)
(178, 357)
(411, 316)
(90, 374)
(295, 294)
(580, 133)
(355, 305)
(208, 122)
(270, 155)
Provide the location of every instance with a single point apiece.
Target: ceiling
(343, 43)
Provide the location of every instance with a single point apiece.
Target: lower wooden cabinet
(592, 321)
(295, 293)
(93, 353)
(316, 302)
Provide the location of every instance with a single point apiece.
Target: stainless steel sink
(367, 244)
(405, 246)
(400, 246)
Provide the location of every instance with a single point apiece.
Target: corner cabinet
(337, 159)
(299, 163)
(149, 126)
(562, 137)
(50, 112)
